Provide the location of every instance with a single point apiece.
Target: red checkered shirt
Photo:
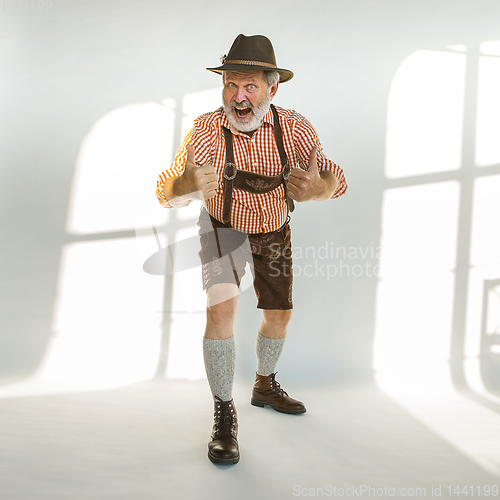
(251, 213)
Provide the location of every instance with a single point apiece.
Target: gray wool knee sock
(219, 357)
(268, 352)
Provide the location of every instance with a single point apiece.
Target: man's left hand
(306, 185)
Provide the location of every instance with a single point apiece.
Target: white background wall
(93, 96)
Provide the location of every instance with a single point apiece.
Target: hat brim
(285, 74)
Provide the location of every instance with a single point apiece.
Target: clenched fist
(195, 183)
(305, 185)
(200, 182)
(310, 184)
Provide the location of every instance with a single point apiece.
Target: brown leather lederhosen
(251, 181)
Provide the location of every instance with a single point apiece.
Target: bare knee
(222, 313)
(221, 310)
(277, 317)
(275, 322)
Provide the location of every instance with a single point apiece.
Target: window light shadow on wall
(488, 105)
(110, 316)
(440, 246)
(425, 114)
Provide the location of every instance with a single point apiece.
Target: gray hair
(271, 76)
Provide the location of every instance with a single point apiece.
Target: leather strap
(278, 135)
(228, 181)
(256, 183)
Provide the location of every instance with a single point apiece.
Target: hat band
(250, 63)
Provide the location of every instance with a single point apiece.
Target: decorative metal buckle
(255, 247)
(287, 169)
(235, 171)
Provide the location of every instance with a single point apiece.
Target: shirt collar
(269, 118)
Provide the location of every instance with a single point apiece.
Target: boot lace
(224, 417)
(275, 385)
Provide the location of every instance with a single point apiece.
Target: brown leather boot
(223, 448)
(267, 392)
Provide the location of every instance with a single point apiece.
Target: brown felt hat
(251, 52)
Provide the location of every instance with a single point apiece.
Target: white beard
(256, 120)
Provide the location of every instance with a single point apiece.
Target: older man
(247, 162)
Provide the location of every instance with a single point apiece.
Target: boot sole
(223, 461)
(262, 404)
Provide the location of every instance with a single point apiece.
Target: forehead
(253, 75)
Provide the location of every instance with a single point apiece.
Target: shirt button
(255, 164)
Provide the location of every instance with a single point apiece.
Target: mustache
(241, 104)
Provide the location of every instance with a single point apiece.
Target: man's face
(246, 98)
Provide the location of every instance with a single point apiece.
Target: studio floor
(149, 441)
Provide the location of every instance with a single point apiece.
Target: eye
(251, 87)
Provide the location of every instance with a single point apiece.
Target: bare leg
(275, 323)
(221, 309)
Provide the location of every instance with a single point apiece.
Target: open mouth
(242, 112)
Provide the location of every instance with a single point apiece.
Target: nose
(240, 95)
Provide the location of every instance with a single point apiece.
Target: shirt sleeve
(305, 138)
(175, 170)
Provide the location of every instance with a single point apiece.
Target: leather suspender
(278, 135)
(250, 181)
(228, 178)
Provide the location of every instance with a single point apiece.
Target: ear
(274, 89)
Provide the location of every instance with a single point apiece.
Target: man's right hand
(200, 183)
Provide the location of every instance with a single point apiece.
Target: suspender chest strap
(251, 181)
